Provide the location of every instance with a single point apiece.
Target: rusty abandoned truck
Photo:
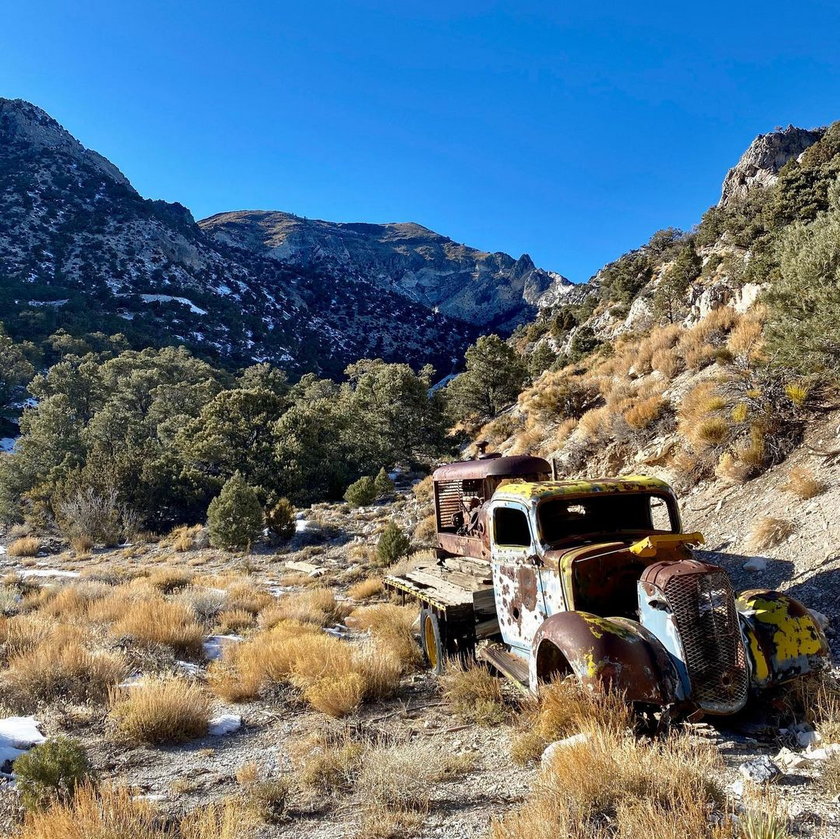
(545, 578)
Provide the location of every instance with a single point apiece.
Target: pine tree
(280, 519)
(382, 483)
(234, 517)
(393, 544)
(361, 492)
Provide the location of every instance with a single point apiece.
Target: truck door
(520, 604)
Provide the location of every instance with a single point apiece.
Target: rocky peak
(760, 164)
(27, 127)
(490, 290)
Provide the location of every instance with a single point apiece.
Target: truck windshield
(563, 518)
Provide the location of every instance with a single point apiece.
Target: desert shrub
(331, 764)
(558, 396)
(566, 707)
(769, 532)
(60, 667)
(424, 490)
(830, 776)
(169, 580)
(157, 621)
(393, 544)
(162, 710)
(639, 789)
(266, 799)
(393, 626)
(235, 516)
(52, 771)
(204, 603)
(425, 533)
(366, 588)
(644, 412)
(104, 814)
(226, 819)
(474, 694)
(802, 482)
(338, 695)
(89, 515)
(186, 538)
(316, 606)
(25, 546)
(280, 519)
(234, 620)
(382, 483)
(361, 493)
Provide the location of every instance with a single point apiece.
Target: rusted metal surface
(610, 654)
(691, 605)
(498, 467)
(784, 639)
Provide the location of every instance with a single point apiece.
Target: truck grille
(703, 606)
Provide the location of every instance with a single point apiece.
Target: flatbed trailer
(458, 591)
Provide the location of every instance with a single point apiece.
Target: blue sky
(569, 131)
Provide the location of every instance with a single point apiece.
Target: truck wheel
(431, 636)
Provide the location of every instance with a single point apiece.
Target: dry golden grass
(426, 531)
(329, 764)
(74, 601)
(769, 532)
(395, 787)
(116, 813)
(81, 544)
(61, 667)
(227, 819)
(424, 490)
(317, 606)
(25, 546)
(364, 589)
(474, 694)
(733, 471)
(566, 707)
(171, 624)
(747, 337)
(802, 482)
(183, 538)
(168, 580)
(22, 633)
(233, 621)
(161, 710)
(595, 423)
(333, 676)
(644, 412)
(660, 342)
(336, 696)
(616, 786)
(107, 813)
(393, 627)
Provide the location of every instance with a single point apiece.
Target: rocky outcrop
(489, 290)
(759, 166)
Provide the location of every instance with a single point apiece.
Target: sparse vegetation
(803, 483)
(474, 694)
(768, 532)
(51, 772)
(161, 710)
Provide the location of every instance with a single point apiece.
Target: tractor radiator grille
(703, 606)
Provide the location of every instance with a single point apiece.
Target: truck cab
(546, 578)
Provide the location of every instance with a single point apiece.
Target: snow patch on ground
(224, 724)
(46, 572)
(215, 644)
(17, 734)
(164, 298)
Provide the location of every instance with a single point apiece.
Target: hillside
(81, 251)
(489, 290)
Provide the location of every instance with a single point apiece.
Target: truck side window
(510, 527)
(660, 515)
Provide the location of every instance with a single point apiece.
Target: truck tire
(432, 640)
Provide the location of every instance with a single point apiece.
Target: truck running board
(508, 664)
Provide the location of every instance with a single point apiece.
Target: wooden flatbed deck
(459, 589)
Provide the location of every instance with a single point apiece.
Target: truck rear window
(562, 518)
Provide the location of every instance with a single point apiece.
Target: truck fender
(607, 653)
(784, 639)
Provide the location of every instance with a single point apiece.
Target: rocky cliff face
(760, 164)
(488, 290)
